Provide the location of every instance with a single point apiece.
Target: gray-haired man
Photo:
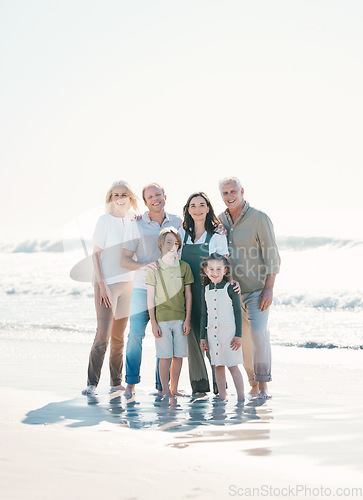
(255, 263)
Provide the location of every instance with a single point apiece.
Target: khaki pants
(111, 324)
(256, 345)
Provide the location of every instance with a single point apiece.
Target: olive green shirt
(252, 248)
(170, 306)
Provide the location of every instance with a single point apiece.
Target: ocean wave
(299, 243)
(285, 243)
(335, 300)
(318, 345)
(39, 245)
(51, 327)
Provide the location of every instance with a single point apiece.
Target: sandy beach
(57, 444)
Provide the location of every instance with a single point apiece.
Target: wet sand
(57, 444)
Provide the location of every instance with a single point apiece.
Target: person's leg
(164, 350)
(164, 364)
(180, 351)
(197, 370)
(122, 294)
(247, 347)
(116, 352)
(260, 336)
(139, 318)
(221, 381)
(99, 347)
(238, 381)
(176, 366)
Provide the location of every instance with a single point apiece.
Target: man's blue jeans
(139, 318)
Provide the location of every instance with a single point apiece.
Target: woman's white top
(218, 242)
(109, 235)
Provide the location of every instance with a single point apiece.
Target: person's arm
(105, 292)
(151, 308)
(188, 309)
(266, 296)
(128, 262)
(203, 323)
(237, 311)
(271, 258)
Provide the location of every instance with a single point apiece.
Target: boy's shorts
(172, 341)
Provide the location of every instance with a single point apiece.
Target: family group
(205, 283)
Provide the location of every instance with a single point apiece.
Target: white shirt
(109, 235)
(218, 242)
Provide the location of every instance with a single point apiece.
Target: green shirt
(170, 306)
(252, 248)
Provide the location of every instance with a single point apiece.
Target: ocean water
(318, 300)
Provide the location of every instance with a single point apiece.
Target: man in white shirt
(141, 241)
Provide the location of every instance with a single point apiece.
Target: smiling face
(232, 195)
(170, 246)
(120, 199)
(215, 271)
(198, 208)
(154, 199)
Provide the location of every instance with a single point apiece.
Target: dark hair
(215, 256)
(211, 221)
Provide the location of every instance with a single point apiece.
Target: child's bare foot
(129, 391)
(167, 394)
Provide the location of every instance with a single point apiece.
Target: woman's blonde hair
(132, 195)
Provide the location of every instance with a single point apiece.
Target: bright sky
(183, 93)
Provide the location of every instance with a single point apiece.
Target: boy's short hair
(164, 232)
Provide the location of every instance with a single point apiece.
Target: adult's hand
(265, 299)
(152, 264)
(105, 295)
(221, 230)
(236, 286)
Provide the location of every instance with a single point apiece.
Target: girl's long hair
(215, 256)
(211, 221)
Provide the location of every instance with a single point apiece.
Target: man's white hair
(225, 180)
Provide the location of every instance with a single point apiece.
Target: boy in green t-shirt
(169, 301)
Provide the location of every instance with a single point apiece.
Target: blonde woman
(112, 284)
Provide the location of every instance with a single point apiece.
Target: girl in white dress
(221, 322)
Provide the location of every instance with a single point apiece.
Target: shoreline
(56, 443)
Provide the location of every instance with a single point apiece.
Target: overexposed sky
(183, 93)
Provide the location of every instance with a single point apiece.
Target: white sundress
(221, 327)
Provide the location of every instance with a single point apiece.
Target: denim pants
(256, 345)
(139, 318)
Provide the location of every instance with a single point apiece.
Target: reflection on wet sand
(154, 411)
